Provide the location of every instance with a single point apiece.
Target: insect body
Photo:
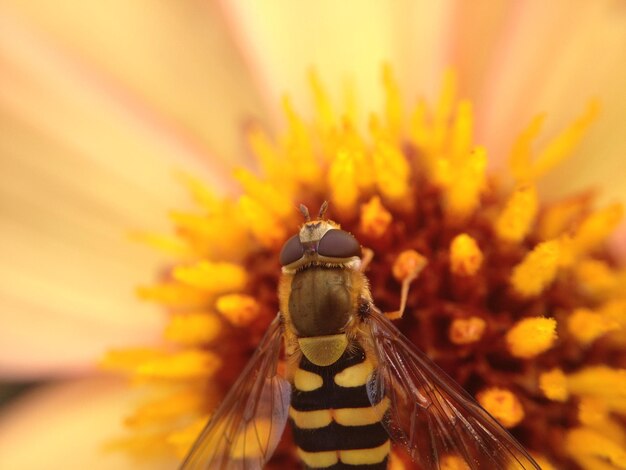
(353, 384)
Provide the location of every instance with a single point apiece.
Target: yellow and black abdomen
(334, 424)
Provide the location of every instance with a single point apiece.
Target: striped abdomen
(334, 424)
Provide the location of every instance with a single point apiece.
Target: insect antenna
(305, 212)
(323, 209)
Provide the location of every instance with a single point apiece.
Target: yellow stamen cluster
(499, 273)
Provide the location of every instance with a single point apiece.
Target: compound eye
(292, 251)
(339, 244)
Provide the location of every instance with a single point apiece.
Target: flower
(536, 267)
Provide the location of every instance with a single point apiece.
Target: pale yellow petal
(282, 39)
(68, 425)
(560, 54)
(177, 58)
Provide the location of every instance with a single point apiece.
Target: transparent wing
(247, 426)
(435, 420)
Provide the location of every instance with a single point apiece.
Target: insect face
(320, 242)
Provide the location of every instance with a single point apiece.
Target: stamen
(503, 405)
(518, 215)
(169, 244)
(461, 138)
(213, 277)
(183, 438)
(270, 159)
(393, 103)
(375, 219)
(173, 406)
(553, 384)
(184, 365)
(173, 294)
(465, 256)
(240, 310)
(453, 462)
(392, 172)
(443, 110)
(466, 330)
(265, 194)
(193, 328)
(299, 148)
(596, 228)
(520, 160)
(605, 383)
(267, 229)
(538, 269)
(563, 144)
(419, 130)
(594, 450)
(586, 325)
(158, 365)
(205, 233)
(615, 309)
(342, 181)
(543, 462)
(531, 336)
(469, 179)
(592, 412)
(559, 218)
(324, 112)
(596, 278)
(201, 192)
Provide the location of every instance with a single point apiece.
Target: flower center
(519, 302)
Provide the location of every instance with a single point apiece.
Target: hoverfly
(353, 384)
